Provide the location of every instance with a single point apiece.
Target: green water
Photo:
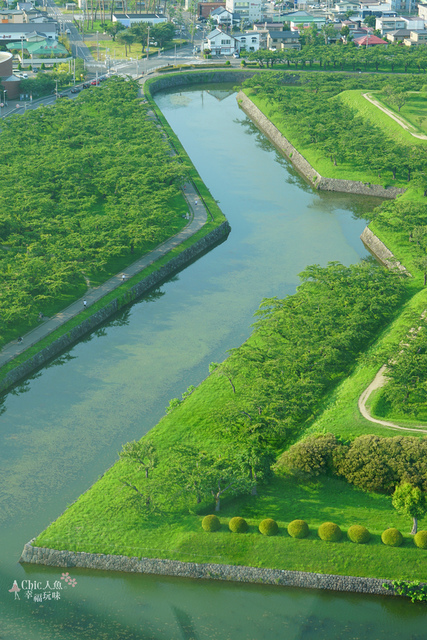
(62, 427)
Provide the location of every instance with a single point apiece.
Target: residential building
(398, 35)
(416, 38)
(222, 16)
(385, 25)
(422, 11)
(18, 32)
(248, 10)
(299, 23)
(11, 16)
(248, 41)
(407, 6)
(220, 43)
(278, 40)
(204, 9)
(369, 41)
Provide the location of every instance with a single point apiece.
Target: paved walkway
(400, 121)
(198, 217)
(376, 383)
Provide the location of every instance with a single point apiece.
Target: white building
(225, 44)
(249, 10)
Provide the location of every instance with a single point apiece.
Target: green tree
(410, 501)
(113, 28)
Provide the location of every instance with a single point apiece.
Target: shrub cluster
(211, 523)
(330, 532)
(370, 462)
(268, 527)
(392, 537)
(298, 529)
(420, 539)
(238, 525)
(359, 534)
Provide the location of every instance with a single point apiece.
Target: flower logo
(72, 582)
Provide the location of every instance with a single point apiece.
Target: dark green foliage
(380, 464)
(359, 534)
(211, 523)
(89, 182)
(392, 537)
(315, 113)
(313, 455)
(406, 389)
(304, 345)
(370, 462)
(268, 527)
(238, 525)
(298, 529)
(330, 532)
(420, 539)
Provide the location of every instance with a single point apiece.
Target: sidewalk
(13, 349)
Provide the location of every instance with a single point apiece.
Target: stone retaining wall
(54, 558)
(197, 77)
(139, 289)
(303, 166)
(380, 251)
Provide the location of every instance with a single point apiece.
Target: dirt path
(376, 383)
(400, 121)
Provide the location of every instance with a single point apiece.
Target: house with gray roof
(17, 32)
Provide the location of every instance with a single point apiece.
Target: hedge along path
(400, 121)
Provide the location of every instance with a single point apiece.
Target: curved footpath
(400, 121)
(376, 383)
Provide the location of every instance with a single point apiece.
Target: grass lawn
(105, 520)
(319, 162)
(373, 114)
(414, 111)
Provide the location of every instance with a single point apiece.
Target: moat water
(62, 427)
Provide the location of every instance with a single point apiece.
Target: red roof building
(369, 41)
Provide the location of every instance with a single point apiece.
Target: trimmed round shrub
(211, 523)
(298, 529)
(358, 534)
(420, 539)
(392, 537)
(330, 532)
(238, 525)
(268, 527)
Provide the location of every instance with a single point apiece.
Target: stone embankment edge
(254, 575)
(139, 289)
(380, 251)
(303, 166)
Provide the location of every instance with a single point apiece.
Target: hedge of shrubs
(328, 531)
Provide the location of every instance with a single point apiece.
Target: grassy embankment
(114, 266)
(104, 519)
(342, 411)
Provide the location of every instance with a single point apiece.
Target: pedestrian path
(198, 217)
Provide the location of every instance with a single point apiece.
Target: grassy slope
(323, 165)
(104, 520)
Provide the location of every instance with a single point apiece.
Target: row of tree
(311, 108)
(346, 57)
(88, 181)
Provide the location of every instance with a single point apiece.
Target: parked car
(94, 82)
(86, 85)
(75, 90)
(236, 54)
